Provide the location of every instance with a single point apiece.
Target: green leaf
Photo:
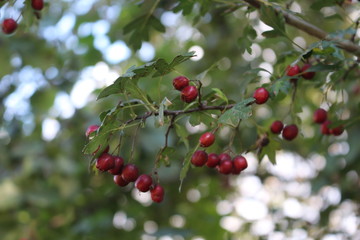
(138, 93)
(99, 140)
(133, 25)
(115, 88)
(134, 73)
(183, 134)
(166, 154)
(164, 68)
(186, 6)
(270, 150)
(240, 111)
(270, 17)
(186, 166)
(197, 118)
(182, 58)
(156, 24)
(271, 34)
(317, 5)
(220, 94)
(325, 67)
(140, 29)
(281, 85)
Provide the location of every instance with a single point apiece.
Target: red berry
(276, 127)
(157, 193)
(290, 132)
(225, 167)
(119, 162)
(213, 160)
(189, 94)
(261, 95)
(37, 4)
(239, 164)
(91, 129)
(118, 179)
(143, 183)
(337, 131)
(207, 139)
(307, 75)
(224, 156)
(9, 26)
(130, 172)
(199, 158)
(320, 115)
(180, 82)
(105, 162)
(292, 71)
(325, 128)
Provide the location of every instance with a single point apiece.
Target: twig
(311, 29)
(352, 39)
(133, 143)
(168, 130)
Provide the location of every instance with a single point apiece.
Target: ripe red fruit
(9, 26)
(320, 115)
(213, 160)
(225, 167)
(276, 127)
(189, 94)
(207, 139)
(143, 183)
(37, 4)
(118, 164)
(105, 162)
(292, 71)
(325, 128)
(307, 75)
(337, 131)
(118, 179)
(261, 95)
(199, 158)
(91, 129)
(290, 132)
(130, 172)
(224, 156)
(180, 82)
(157, 193)
(239, 164)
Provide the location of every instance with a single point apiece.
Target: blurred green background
(52, 69)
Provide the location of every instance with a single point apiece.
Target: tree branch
(312, 29)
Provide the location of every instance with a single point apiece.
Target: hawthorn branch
(311, 29)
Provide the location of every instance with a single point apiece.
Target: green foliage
(46, 188)
(240, 111)
(157, 68)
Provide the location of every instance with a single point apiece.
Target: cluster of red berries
(222, 162)
(320, 117)
(296, 71)
(126, 173)
(288, 132)
(188, 92)
(9, 25)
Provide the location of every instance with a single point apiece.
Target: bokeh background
(52, 70)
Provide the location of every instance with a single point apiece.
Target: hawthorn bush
(180, 119)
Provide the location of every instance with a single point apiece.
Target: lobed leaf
(240, 111)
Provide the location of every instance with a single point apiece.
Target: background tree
(58, 57)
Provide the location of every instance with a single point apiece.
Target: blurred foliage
(47, 188)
